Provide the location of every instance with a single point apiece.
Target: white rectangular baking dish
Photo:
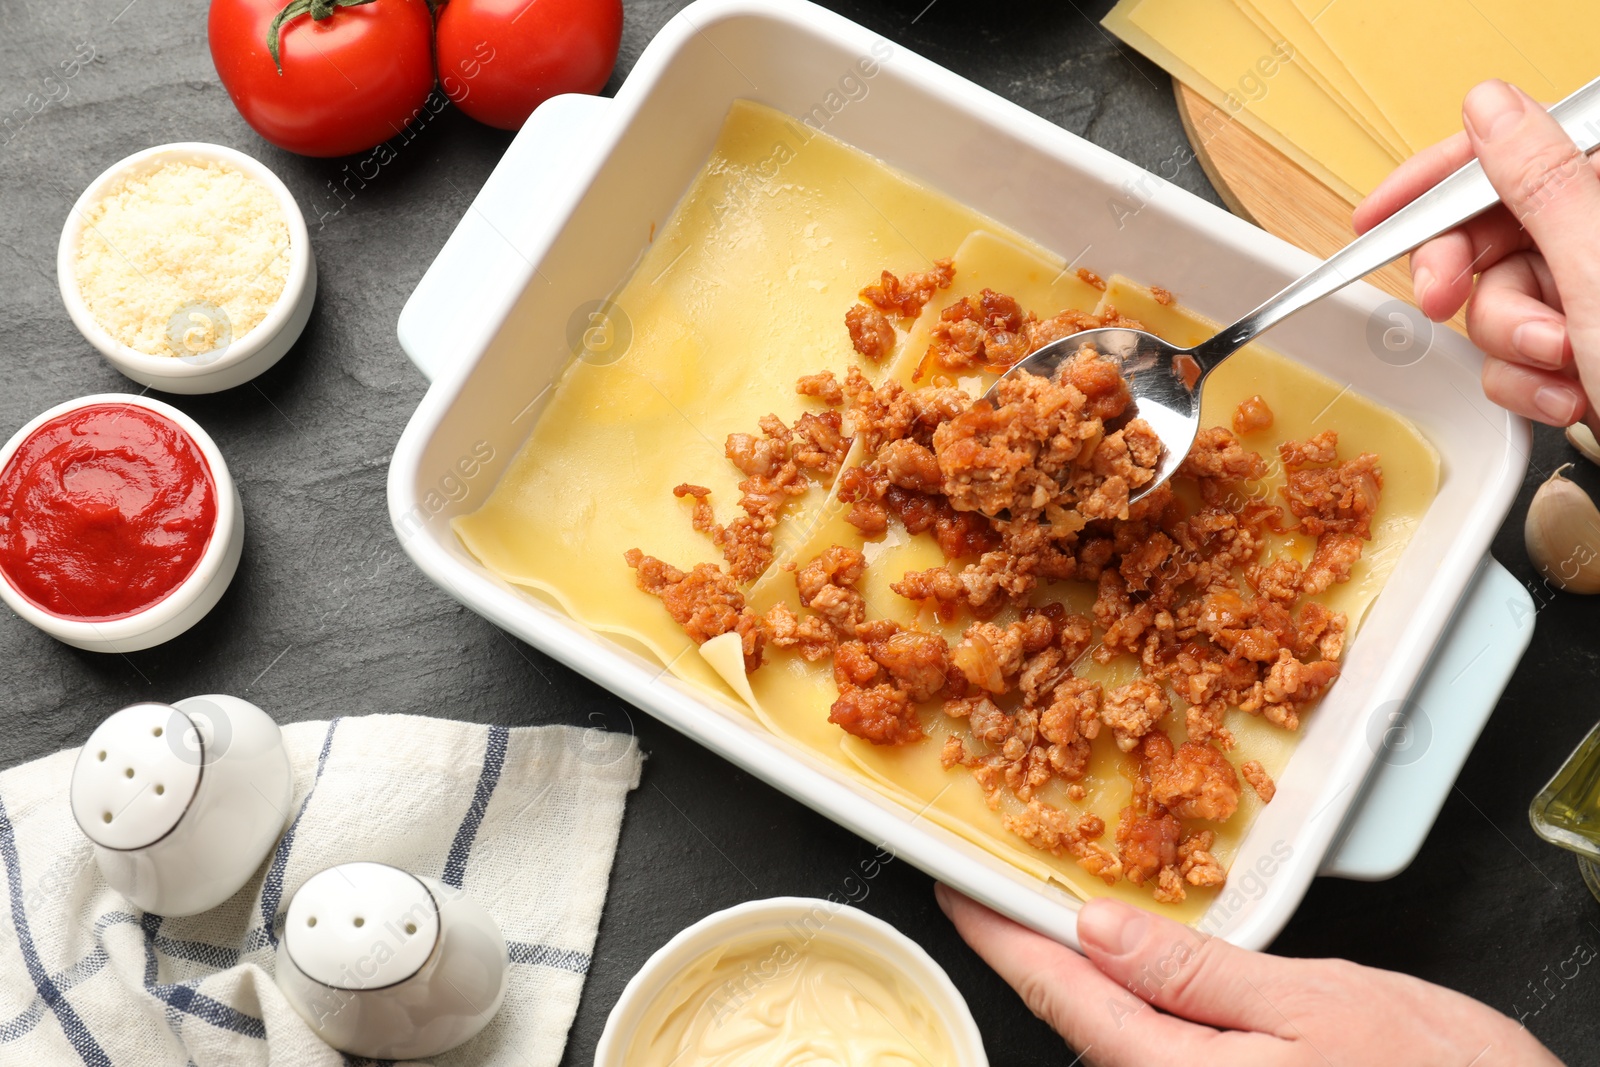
(562, 220)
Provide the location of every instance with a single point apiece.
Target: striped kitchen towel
(525, 820)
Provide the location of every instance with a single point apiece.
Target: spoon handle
(1457, 198)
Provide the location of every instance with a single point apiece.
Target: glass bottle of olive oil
(1567, 810)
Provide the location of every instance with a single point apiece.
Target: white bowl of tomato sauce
(120, 526)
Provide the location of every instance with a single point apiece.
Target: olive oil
(1567, 810)
(1591, 876)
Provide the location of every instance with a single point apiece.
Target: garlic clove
(1562, 533)
(1579, 436)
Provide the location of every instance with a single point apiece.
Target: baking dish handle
(465, 285)
(1426, 737)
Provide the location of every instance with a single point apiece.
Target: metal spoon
(1167, 381)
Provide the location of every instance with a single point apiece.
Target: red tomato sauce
(104, 511)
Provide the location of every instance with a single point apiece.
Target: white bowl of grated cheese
(188, 267)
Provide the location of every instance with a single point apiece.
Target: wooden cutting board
(1261, 184)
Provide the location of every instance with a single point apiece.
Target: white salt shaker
(182, 801)
(389, 965)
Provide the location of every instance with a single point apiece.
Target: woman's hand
(1535, 310)
(1224, 1005)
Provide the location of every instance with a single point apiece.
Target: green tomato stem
(319, 10)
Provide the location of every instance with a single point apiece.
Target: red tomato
(500, 59)
(351, 78)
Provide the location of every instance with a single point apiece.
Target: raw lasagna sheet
(1218, 51)
(725, 320)
(1418, 58)
(1283, 21)
(743, 290)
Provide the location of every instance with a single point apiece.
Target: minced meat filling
(871, 333)
(1032, 489)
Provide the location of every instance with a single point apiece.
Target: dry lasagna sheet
(741, 293)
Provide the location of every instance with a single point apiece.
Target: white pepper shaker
(182, 801)
(388, 965)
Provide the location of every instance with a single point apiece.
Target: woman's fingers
(1552, 190)
(1104, 1021)
(1540, 175)
(1542, 395)
(1326, 1011)
(1417, 175)
(1410, 180)
(1442, 270)
(1180, 970)
(1515, 316)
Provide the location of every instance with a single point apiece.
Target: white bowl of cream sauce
(790, 980)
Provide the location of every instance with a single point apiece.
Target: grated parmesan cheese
(161, 251)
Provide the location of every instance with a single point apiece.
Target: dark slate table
(328, 617)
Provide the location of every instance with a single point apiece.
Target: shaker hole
(311, 920)
(360, 921)
(160, 789)
(155, 731)
(106, 817)
(102, 756)
(128, 773)
(411, 928)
